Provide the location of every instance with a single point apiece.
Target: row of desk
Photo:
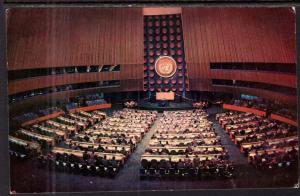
(103, 137)
(183, 148)
(62, 126)
(78, 117)
(107, 139)
(47, 139)
(79, 153)
(72, 122)
(32, 145)
(266, 128)
(248, 145)
(176, 158)
(186, 133)
(136, 135)
(110, 147)
(271, 151)
(260, 113)
(51, 130)
(56, 114)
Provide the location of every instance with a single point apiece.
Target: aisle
(131, 169)
(234, 154)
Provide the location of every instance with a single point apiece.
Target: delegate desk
(107, 139)
(246, 146)
(89, 115)
(122, 129)
(72, 122)
(83, 113)
(61, 126)
(238, 139)
(260, 136)
(79, 153)
(183, 136)
(80, 118)
(47, 139)
(183, 148)
(104, 131)
(233, 133)
(112, 147)
(183, 141)
(229, 128)
(204, 133)
(31, 145)
(155, 142)
(271, 151)
(50, 130)
(137, 136)
(99, 113)
(175, 158)
(224, 120)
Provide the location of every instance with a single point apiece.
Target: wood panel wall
(239, 35)
(28, 104)
(131, 77)
(17, 86)
(133, 71)
(132, 85)
(262, 35)
(48, 37)
(288, 80)
(53, 37)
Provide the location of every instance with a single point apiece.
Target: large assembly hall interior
(151, 98)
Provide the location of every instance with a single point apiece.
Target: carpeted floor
(27, 177)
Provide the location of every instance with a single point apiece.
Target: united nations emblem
(165, 66)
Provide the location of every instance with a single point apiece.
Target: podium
(165, 96)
